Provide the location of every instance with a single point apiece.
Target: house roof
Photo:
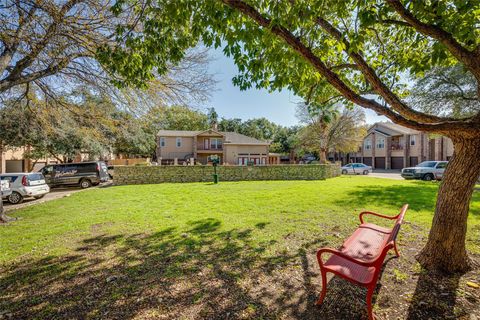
(230, 137)
(391, 129)
(177, 133)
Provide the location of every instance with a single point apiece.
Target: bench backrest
(398, 224)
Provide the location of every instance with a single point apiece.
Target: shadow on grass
(202, 272)
(419, 195)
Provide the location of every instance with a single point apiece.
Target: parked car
(83, 174)
(356, 168)
(427, 170)
(25, 185)
(5, 189)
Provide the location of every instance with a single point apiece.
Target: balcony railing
(397, 146)
(203, 148)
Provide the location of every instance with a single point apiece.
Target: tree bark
(322, 154)
(445, 250)
(3, 217)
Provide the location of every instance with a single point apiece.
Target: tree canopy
(357, 51)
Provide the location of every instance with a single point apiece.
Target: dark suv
(83, 174)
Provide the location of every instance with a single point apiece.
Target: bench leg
(395, 248)
(370, 291)
(324, 288)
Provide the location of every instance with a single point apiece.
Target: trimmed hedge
(160, 174)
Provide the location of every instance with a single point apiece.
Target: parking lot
(52, 195)
(55, 193)
(387, 174)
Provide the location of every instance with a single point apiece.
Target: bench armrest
(377, 215)
(340, 254)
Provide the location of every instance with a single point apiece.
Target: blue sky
(230, 102)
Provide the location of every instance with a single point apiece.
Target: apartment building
(391, 146)
(232, 148)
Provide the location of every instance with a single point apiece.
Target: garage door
(13, 166)
(397, 162)
(413, 161)
(379, 162)
(367, 161)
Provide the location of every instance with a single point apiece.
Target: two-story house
(232, 148)
(391, 146)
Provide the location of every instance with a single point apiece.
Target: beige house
(391, 146)
(232, 148)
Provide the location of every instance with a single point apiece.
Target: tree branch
(375, 80)
(456, 49)
(337, 83)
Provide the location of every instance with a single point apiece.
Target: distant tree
(328, 130)
(175, 118)
(230, 125)
(212, 117)
(259, 128)
(44, 43)
(285, 140)
(85, 125)
(447, 91)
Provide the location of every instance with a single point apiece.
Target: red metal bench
(361, 256)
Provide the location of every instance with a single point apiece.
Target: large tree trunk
(322, 154)
(3, 217)
(445, 249)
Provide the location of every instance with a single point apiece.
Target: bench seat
(361, 256)
(365, 244)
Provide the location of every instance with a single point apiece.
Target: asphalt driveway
(55, 193)
(387, 174)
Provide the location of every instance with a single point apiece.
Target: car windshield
(35, 176)
(427, 164)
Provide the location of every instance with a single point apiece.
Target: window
(162, 142)
(381, 143)
(441, 165)
(368, 144)
(47, 170)
(10, 178)
(413, 140)
(427, 164)
(35, 176)
(178, 142)
(216, 143)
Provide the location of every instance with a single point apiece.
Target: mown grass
(236, 250)
(303, 210)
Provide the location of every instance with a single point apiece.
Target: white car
(427, 170)
(25, 185)
(5, 190)
(356, 168)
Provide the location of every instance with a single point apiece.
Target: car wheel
(344, 172)
(365, 172)
(428, 177)
(39, 197)
(85, 183)
(15, 198)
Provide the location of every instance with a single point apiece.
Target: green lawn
(163, 241)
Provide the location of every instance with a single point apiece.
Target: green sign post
(215, 160)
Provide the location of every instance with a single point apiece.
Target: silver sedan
(356, 168)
